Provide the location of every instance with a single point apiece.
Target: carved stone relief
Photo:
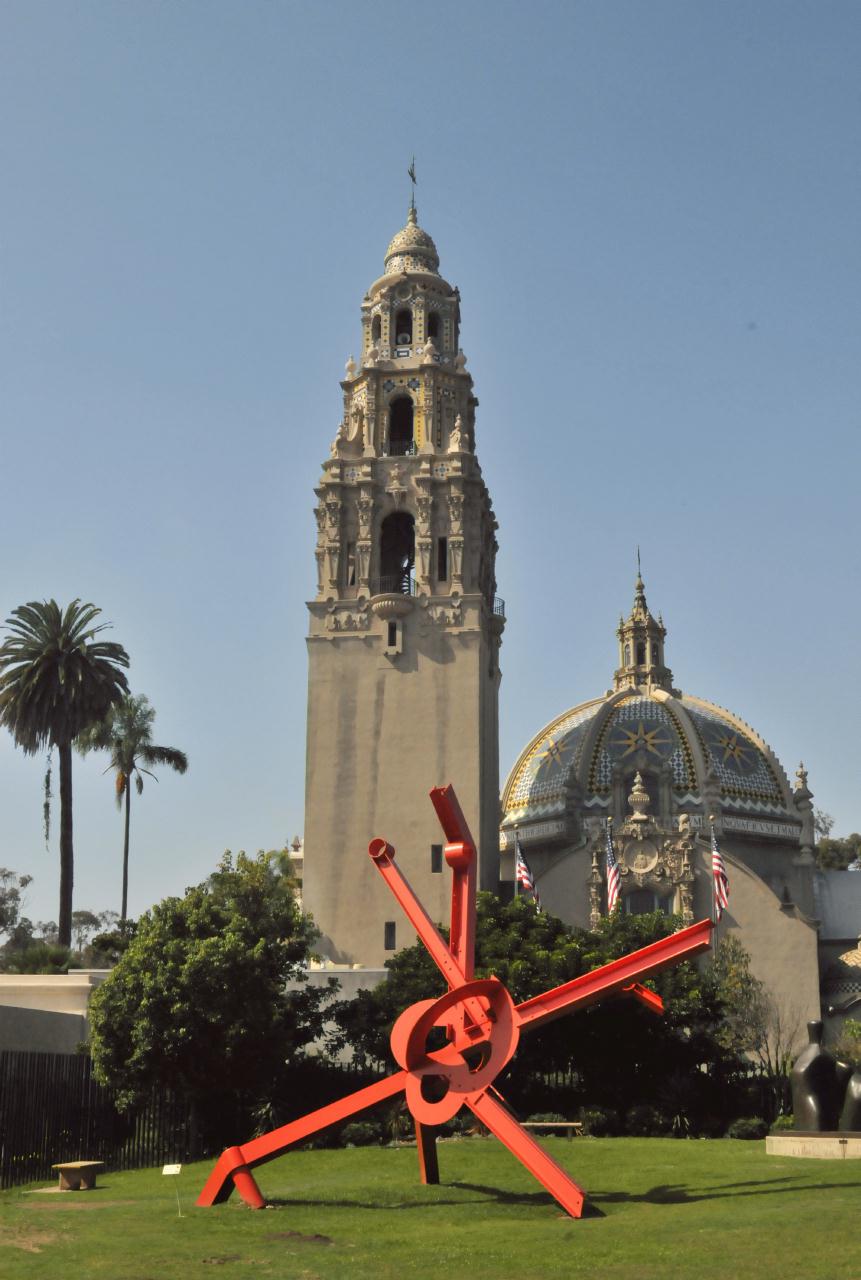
(649, 855)
(355, 619)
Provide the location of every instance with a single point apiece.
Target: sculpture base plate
(814, 1146)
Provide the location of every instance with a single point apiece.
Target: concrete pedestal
(814, 1146)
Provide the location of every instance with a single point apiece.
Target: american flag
(524, 876)
(614, 877)
(719, 875)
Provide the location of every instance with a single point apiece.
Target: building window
(393, 635)
(433, 325)
(627, 655)
(640, 902)
(351, 564)
(442, 559)
(404, 328)
(389, 934)
(376, 329)
(641, 655)
(436, 858)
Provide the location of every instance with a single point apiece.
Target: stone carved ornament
(348, 619)
(649, 855)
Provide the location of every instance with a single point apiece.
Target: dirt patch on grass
(27, 1239)
(234, 1257)
(298, 1238)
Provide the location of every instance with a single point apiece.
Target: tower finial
(412, 172)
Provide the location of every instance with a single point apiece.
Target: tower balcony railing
(394, 584)
(399, 449)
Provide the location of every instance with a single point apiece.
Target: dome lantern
(641, 646)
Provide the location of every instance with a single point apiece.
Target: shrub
(601, 1122)
(782, 1123)
(750, 1127)
(361, 1133)
(643, 1121)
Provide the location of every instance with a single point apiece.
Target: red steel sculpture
(483, 1026)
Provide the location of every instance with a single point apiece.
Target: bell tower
(404, 635)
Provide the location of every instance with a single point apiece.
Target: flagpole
(715, 918)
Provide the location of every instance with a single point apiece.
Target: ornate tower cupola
(641, 646)
(405, 627)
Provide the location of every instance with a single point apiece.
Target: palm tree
(57, 679)
(126, 732)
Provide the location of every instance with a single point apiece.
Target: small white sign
(171, 1170)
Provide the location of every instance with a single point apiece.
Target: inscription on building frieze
(762, 827)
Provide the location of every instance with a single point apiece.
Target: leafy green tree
(83, 924)
(28, 954)
(56, 679)
(126, 734)
(11, 889)
(745, 1002)
(836, 853)
(617, 1053)
(113, 941)
(197, 1005)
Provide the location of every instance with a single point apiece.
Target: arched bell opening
(376, 329)
(433, 325)
(404, 327)
(397, 553)
(401, 427)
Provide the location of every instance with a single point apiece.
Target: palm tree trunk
(67, 857)
(124, 910)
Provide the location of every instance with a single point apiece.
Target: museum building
(664, 769)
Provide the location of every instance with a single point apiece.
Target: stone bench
(573, 1127)
(78, 1175)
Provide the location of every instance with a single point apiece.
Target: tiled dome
(577, 754)
(411, 249)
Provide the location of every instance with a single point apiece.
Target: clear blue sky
(652, 211)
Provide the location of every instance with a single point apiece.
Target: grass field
(662, 1209)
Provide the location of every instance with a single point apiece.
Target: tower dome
(412, 249)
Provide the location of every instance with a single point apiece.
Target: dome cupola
(412, 249)
(641, 646)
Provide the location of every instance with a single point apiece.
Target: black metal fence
(52, 1109)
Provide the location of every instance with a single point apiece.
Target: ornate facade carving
(340, 619)
(650, 856)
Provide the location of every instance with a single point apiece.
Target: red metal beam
(234, 1164)
(460, 856)
(615, 976)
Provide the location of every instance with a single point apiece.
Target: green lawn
(664, 1209)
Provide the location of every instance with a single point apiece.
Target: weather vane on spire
(412, 172)
(639, 574)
